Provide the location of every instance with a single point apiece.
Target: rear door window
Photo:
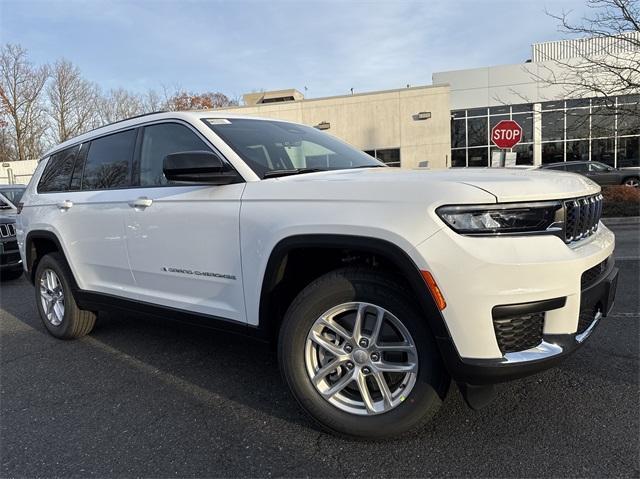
(57, 174)
(108, 163)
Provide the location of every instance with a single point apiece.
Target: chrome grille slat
(582, 216)
(7, 230)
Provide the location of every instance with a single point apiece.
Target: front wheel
(359, 357)
(632, 182)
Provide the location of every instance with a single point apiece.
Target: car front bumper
(10, 260)
(518, 275)
(596, 303)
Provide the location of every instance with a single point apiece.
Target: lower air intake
(519, 333)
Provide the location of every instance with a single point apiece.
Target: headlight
(506, 218)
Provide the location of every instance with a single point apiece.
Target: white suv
(378, 284)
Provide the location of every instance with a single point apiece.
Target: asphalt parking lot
(148, 398)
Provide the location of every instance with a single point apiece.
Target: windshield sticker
(218, 121)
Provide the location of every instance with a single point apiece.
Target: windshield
(271, 146)
(12, 194)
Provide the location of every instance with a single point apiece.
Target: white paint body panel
(476, 274)
(232, 230)
(195, 228)
(92, 234)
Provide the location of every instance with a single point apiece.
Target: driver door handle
(65, 205)
(141, 203)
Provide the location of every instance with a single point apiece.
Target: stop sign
(506, 134)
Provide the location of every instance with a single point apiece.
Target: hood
(505, 184)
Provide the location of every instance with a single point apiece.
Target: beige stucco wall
(17, 171)
(377, 120)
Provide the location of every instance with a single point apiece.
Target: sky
(241, 46)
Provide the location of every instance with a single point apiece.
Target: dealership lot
(144, 397)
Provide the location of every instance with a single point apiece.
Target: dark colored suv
(10, 262)
(601, 173)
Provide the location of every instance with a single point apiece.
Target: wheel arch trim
(28, 252)
(400, 258)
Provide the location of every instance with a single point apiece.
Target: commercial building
(17, 172)
(449, 123)
(558, 122)
(404, 127)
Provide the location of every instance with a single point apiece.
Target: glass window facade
(389, 156)
(470, 130)
(606, 130)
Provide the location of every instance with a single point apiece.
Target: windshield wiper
(368, 166)
(294, 171)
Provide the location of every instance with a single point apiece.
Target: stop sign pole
(505, 135)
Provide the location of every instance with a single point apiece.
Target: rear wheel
(358, 356)
(56, 304)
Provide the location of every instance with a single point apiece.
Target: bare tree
(119, 104)
(153, 101)
(21, 88)
(183, 100)
(7, 151)
(607, 61)
(73, 101)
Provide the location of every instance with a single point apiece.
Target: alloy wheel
(633, 182)
(52, 297)
(361, 358)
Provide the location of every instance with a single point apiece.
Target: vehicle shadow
(245, 370)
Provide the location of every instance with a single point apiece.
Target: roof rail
(127, 119)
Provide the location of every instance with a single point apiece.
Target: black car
(601, 173)
(10, 262)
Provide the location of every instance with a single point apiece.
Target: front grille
(10, 246)
(592, 275)
(519, 333)
(582, 216)
(7, 230)
(9, 258)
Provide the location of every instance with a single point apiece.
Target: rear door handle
(65, 205)
(141, 203)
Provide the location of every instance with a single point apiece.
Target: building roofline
(334, 97)
(629, 33)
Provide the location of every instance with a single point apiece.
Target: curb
(628, 220)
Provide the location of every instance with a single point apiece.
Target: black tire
(631, 181)
(75, 322)
(361, 285)
(10, 275)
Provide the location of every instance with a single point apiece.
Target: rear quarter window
(56, 176)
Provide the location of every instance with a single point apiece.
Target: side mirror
(197, 167)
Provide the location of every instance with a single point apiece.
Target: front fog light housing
(506, 218)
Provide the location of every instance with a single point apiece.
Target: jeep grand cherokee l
(379, 285)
